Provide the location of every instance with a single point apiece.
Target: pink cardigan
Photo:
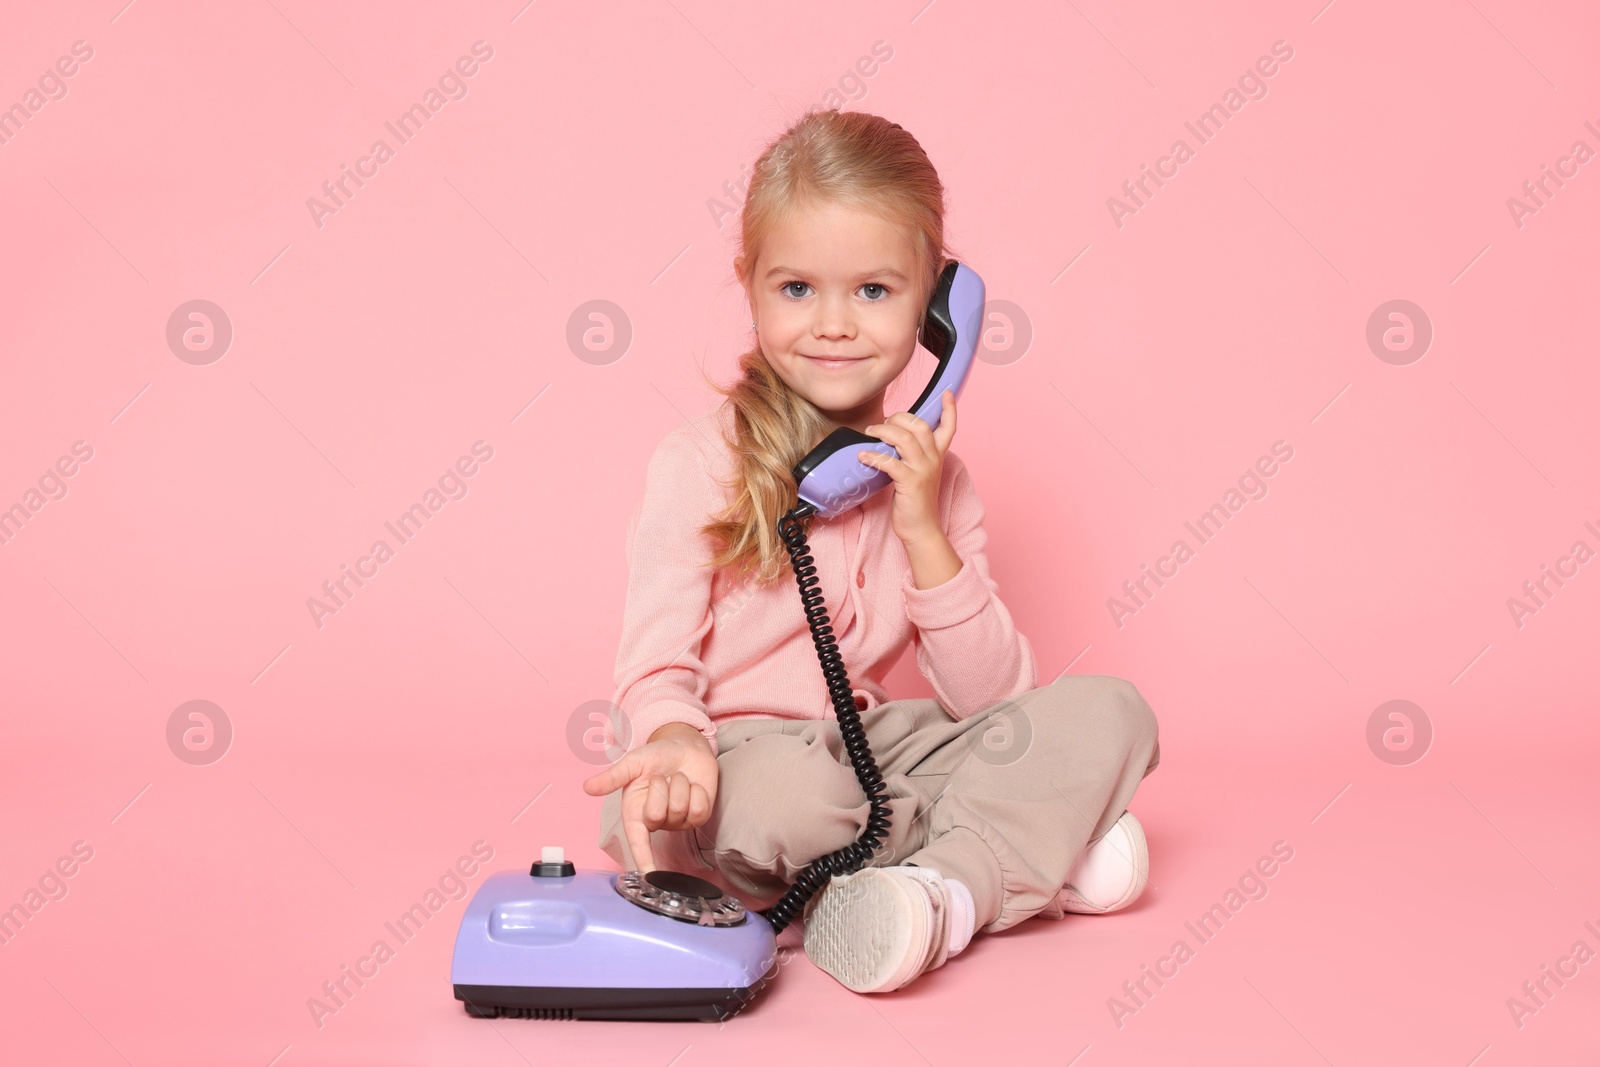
(697, 650)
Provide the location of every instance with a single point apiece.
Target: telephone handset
(830, 477)
(830, 480)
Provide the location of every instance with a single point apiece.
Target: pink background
(1167, 355)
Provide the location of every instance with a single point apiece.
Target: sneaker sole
(862, 929)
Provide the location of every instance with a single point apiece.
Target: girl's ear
(749, 297)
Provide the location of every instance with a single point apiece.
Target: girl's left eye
(874, 285)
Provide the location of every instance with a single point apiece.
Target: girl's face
(838, 283)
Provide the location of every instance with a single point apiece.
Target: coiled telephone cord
(858, 853)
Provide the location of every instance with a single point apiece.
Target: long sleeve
(659, 674)
(967, 646)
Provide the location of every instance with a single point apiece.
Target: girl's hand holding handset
(668, 784)
(915, 514)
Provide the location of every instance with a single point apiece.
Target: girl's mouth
(836, 364)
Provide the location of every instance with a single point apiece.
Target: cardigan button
(861, 579)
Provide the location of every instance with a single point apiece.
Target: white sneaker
(1111, 873)
(877, 929)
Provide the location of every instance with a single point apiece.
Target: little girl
(1008, 799)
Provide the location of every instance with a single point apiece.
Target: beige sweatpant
(1004, 800)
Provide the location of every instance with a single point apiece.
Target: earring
(752, 325)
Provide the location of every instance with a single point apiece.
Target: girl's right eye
(784, 289)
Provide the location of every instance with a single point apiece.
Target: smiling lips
(834, 363)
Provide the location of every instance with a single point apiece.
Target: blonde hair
(850, 158)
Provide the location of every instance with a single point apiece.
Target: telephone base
(548, 944)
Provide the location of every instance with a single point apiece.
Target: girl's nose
(833, 320)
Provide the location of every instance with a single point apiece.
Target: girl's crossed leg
(1004, 800)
